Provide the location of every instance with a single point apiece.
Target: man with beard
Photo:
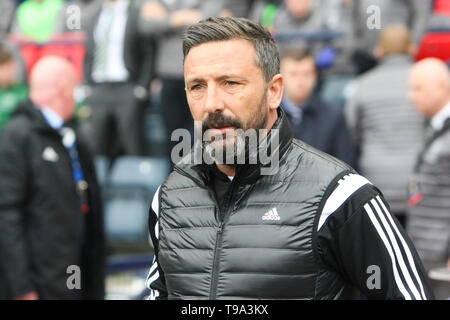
(309, 228)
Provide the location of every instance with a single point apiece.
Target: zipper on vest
(219, 235)
(215, 273)
(219, 238)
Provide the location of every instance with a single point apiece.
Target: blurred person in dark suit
(313, 121)
(117, 71)
(50, 210)
(428, 222)
(383, 122)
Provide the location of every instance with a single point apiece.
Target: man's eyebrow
(222, 77)
(227, 76)
(194, 80)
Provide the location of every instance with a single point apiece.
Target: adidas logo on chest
(272, 214)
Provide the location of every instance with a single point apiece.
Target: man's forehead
(225, 47)
(418, 77)
(228, 54)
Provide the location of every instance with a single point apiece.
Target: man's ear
(378, 53)
(275, 91)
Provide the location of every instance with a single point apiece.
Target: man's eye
(232, 83)
(196, 87)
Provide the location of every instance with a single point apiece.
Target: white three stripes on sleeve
(405, 247)
(394, 251)
(348, 185)
(153, 274)
(155, 208)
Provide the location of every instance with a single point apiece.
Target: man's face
(299, 8)
(299, 78)
(423, 94)
(225, 88)
(66, 94)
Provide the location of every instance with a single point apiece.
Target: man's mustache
(218, 120)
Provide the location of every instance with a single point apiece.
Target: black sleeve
(155, 279)
(363, 242)
(14, 263)
(147, 48)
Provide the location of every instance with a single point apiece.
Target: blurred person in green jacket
(13, 86)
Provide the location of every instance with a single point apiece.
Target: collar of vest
(246, 173)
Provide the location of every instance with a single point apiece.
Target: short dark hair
(299, 54)
(296, 54)
(229, 28)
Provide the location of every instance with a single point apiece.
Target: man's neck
(53, 118)
(229, 170)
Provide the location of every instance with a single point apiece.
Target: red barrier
(70, 46)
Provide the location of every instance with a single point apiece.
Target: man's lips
(220, 130)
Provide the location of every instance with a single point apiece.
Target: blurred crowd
(132, 58)
(347, 67)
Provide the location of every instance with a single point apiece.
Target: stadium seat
(155, 133)
(127, 196)
(126, 215)
(146, 171)
(102, 164)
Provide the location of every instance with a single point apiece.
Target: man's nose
(214, 100)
